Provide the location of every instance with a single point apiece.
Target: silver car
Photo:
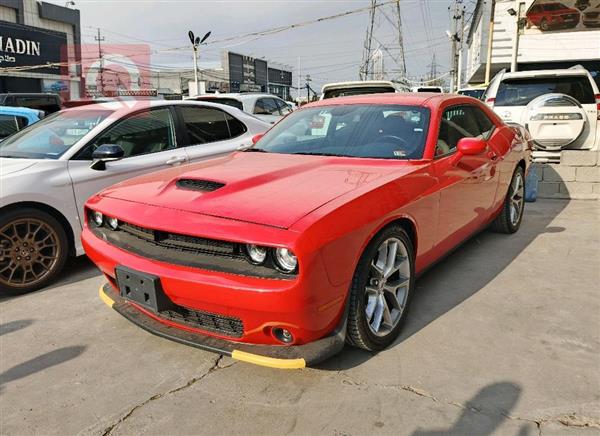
(266, 107)
(48, 171)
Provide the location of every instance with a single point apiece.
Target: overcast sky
(328, 51)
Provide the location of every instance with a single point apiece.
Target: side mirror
(471, 146)
(106, 153)
(256, 138)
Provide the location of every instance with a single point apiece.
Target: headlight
(556, 117)
(97, 218)
(256, 253)
(286, 260)
(113, 223)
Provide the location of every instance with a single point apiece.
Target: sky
(329, 51)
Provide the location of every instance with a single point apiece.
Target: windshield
(53, 136)
(519, 92)
(359, 90)
(227, 101)
(375, 131)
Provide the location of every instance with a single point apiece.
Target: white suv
(560, 108)
(266, 107)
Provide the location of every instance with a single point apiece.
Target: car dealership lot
(503, 338)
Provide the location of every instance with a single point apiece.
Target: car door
(267, 110)
(468, 187)
(149, 140)
(209, 132)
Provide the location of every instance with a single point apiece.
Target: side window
(236, 127)
(284, 109)
(266, 106)
(486, 126)
(457, 122)
(8, 125)
(22, 122)
(143, 133)
(205, 124)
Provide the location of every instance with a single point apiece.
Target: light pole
(520, 23)
(196, 42)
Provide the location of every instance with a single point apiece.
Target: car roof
(121, 108)
(235, 95)
(398, 98)
(546, 73)
(16, 110)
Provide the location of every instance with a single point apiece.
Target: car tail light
(598, 105)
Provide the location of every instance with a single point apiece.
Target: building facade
(552, 34)
(40, 48)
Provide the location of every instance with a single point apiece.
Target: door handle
(176, 160)
(492, 155)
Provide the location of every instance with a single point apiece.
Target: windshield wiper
(308, 153)
(255, 150)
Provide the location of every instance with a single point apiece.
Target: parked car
(13, 119)
(551, 16)
(50, 168)
(279, 254)
(472, 92)
(554, 123)
(591, 17)
(266, 107)
(46, 102)
(359, 87)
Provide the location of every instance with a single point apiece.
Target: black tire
(504, 222)
(18, 236)
(544, 25)
(359, 333)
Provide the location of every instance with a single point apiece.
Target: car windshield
(359, 90)
(519, 92)
(53, 136)
(227, 101)
(358, 130)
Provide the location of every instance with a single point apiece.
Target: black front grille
(199, 185)
(221, 324)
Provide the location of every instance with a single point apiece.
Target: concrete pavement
(503, 338)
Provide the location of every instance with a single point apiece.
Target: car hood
(262, 188)
(11, 165)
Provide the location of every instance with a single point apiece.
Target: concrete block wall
(576, 177)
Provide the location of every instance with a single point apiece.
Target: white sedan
(266, 107)
(48, 171)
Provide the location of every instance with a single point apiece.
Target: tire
(511, 215)
(33, 250)
(544, 24)
(370, 291)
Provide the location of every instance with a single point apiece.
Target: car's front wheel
(381, 290)
(33, 250)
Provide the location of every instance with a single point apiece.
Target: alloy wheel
(387, 287)
(29, 251)
(517, 194)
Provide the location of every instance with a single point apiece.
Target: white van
(344, 89)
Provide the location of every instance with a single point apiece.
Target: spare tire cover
(554, 121)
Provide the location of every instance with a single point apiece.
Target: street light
(196, 43)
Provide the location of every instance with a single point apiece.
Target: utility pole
(364, 73)
(100, 38)
(308, 80)
(299, 76)
(401, 41)
(517, 35)
(488, 64)
(461, 49)
(457, 15)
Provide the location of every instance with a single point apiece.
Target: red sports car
(280, 253)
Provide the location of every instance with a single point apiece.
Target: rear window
(357, 91)
(519, 92)
(228, 101)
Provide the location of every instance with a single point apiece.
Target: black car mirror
(106, 153)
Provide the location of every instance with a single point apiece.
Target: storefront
(550, 35)
(39, 48)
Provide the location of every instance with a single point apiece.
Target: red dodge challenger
(311, 238)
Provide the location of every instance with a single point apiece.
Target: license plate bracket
(142, 288)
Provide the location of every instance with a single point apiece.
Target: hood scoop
(198, 185)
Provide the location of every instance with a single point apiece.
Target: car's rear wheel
(381, 290)
(544, 24)
(511, 215)
(33, 250)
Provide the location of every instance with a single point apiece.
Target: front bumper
(273, 356)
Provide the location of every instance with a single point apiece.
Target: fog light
(113, 223)
(256, 253)
(286, 260)
(283, 335)
(98, 218)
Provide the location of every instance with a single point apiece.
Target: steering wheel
(402, 142)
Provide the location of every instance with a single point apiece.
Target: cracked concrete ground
(503, 338)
